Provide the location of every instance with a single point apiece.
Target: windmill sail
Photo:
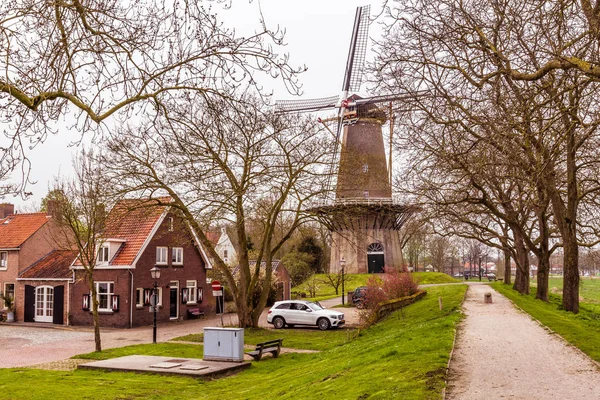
(357, 52)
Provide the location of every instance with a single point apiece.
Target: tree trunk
(507, 267)
(521, 284)
(95, 311)
(571, 276)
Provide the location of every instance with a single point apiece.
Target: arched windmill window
(375, 248)
(375, 258)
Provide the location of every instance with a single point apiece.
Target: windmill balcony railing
(371, 201)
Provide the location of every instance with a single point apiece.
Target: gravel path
(501, 353)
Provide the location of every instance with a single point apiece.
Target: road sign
(217, 293)
(216, 286)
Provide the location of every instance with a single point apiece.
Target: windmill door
(375, 258)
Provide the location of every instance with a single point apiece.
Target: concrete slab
(194, 367)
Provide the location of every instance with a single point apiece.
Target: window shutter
(199, 295)
(85, 302)
(115, 303)
(147, 295)
(184, 295)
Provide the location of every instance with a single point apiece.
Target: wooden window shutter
(114, 304)
(85, 302)
(184, 295)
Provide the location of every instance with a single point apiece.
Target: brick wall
(193, 269)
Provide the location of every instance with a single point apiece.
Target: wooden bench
(272, 346)
(195, 312)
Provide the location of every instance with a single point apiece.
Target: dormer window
(365, 168)
(103, 255)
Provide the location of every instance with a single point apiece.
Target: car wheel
(278, 322)
(323, 324)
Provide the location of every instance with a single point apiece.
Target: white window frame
(3, 260)
(159, 294)
(110, 286)
(103, 255)
(139, 293)
(177, 255)
(162, 254)
(365, 168)
(170, 224)
(5, 292)
(192, 287)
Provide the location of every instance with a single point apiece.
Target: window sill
(189, 303)
(105, 312)
(177, 265)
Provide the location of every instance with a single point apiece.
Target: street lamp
(155, 274)
(342, 264)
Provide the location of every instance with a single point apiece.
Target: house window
(365, 168)
(225, 254)
(3, 259)
(103, 255)
(366, 194)
(9, 290)
(192, 291)
(161, 255)
(177, 255)
(170, 224)
(105, 290)
(139, 297)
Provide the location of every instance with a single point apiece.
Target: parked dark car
(359, 295)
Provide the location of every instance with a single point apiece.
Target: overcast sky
(317, 35)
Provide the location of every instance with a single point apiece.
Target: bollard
(441, 305)
(488, 297)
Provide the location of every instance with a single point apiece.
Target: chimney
(51, 206)
(6, 209)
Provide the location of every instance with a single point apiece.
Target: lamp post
(342, 264)
(155, 274)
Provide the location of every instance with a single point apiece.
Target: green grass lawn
(325, 291)
(581, 330)
(404, 356)
(589, 288)
(308, 339)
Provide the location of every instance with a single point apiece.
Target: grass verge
(402, 357)
(300, 338)
(581, 330)
(325, 291)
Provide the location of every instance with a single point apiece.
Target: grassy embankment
(581, 330)
(404, 356)
(325, 291)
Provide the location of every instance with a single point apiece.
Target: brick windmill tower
(363, 218)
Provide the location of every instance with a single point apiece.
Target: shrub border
(387, 307)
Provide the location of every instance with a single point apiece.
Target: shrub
(394, 285)
(398, 284)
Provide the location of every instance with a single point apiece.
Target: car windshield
(315, 306)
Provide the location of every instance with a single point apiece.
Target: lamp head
(155, 273)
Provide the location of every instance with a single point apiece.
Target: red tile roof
(132, 221)
(53, 266)
(213, 237)
(15, 229)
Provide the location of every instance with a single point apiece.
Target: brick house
(135, 240)
(24, 239)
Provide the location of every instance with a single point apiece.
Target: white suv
(299, 312)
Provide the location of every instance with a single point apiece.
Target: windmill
(364, 219)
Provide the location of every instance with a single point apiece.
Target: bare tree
(465, 58)
(91, 60)
(232, 162)
(80, 213)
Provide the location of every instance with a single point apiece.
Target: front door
(376, 263)
(173, 302)
(44, 304)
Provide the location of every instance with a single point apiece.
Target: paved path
(502, 353)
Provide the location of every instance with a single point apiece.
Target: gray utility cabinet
(224, 344)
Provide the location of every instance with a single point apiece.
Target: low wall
(387, 307)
